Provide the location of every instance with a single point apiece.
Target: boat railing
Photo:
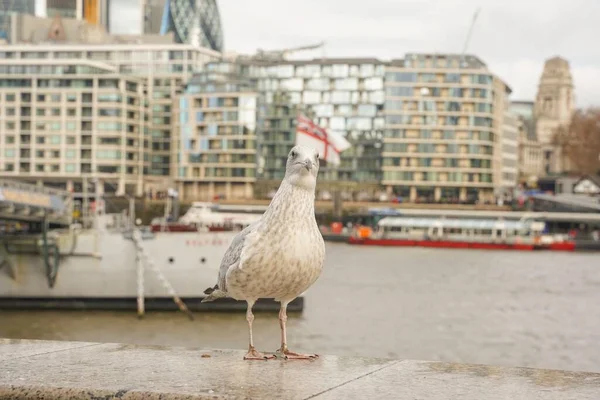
(496, 235)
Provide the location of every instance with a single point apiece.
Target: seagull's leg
(283, 350)
(253, 354)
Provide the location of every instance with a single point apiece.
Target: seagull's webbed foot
(254, 354)
(290, 355)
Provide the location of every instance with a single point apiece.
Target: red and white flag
(328, 144)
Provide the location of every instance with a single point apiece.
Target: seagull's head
(302, 167)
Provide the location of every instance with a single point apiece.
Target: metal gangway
(34, 203)
(27, 214)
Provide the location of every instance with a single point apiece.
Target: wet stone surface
(76, 370)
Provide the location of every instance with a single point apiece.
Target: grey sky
(513, 37)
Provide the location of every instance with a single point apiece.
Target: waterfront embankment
(81, 370)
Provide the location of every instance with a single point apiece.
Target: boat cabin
(457, 229)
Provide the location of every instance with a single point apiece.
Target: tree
(580, 142)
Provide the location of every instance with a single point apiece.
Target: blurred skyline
(513, 37)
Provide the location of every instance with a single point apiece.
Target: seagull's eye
(293, 154)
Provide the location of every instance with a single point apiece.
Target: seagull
(280, 255)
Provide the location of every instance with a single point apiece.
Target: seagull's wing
(232, 256)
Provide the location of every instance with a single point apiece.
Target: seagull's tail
(213, 294)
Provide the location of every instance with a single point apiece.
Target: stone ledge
(31, 369)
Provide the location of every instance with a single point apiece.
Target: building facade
(344, 96)
(214, 133)
(67, 118)
(160, 68)
(510, 155)
(554, 107)
(443, 128)
(530, 161)
(9, 7)
(424, 128)
(94, 12)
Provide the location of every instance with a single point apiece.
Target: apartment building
(214, 132)
(160, 68)
(346, 97)
(443, 128)
(62, 119)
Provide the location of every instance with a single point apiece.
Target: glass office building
(196, 22)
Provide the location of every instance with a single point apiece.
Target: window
(340, 71)
(367, 70)
(69, 167)
(108, 154)
(452, 78)
(428, 78)
(399, 91)
(401, 76)
(109, 112)
(324, 110)
(482, 121)
(346, 84)
(340, 97)
(367, 110)
(359, 123)
(318, 84)
(109, 126)
(295, 84)
(456, 92)
(70, 139)
(311, 97)
(108, 83)
(104, 98)
(481, 79)
(9, 153)
(10, 97)
(373, 84)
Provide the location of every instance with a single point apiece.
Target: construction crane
(469, 33)
(280, 55)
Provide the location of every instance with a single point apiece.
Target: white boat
(209, 215)
(98, 268)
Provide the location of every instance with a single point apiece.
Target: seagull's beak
(308, 164)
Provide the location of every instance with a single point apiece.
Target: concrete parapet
(31, 369)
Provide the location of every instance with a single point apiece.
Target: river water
(538, 309)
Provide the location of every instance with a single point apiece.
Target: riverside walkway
(31, 369)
